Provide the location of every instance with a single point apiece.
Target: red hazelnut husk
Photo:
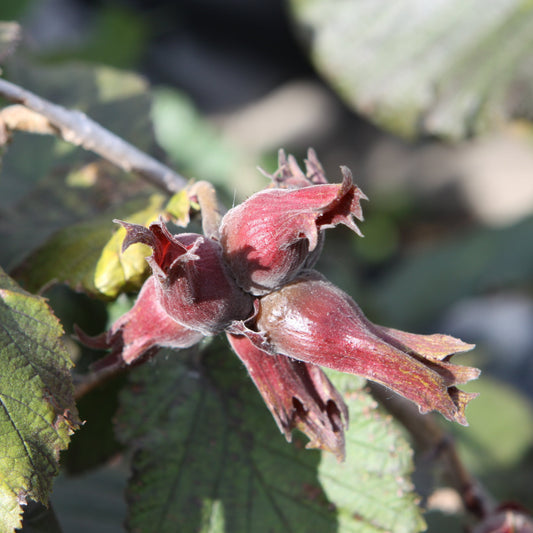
(299, 396)
(270, 237)
(312, 320)
(194, 286)
(141, 331)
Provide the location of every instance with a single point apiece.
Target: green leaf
(88, 256)
(68, 200)
(447, 68)
(69, 256)
(209, 458)
(74, 254)
(372, 490)
(37, 411)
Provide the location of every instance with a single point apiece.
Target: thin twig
(77, 128)
(84, 384)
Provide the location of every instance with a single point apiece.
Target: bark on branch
(77, 128)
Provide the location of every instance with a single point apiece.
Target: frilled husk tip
(289, 175)
(435, 352)
(299, 396)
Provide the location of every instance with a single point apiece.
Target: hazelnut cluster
(254, 280)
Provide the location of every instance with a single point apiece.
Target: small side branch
(86, 383)
(77, 128)
(204, 193)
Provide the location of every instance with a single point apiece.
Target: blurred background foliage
(429, 107)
